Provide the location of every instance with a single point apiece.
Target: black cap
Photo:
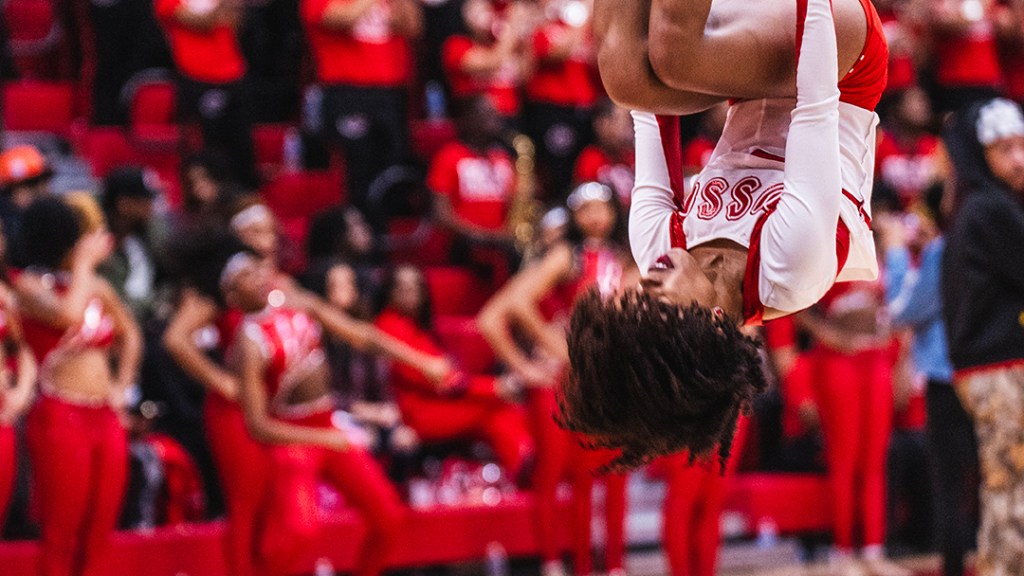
(131, 182)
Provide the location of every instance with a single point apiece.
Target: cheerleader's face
(678, 279)
(261, 236)
(249, 289)
(341, 287)
(595, 219)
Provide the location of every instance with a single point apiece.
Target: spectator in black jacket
(983, 288)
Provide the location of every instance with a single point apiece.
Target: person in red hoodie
(462, 406)
(211, 76)
(363, 61)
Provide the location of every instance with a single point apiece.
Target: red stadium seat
(106, 148)
(268, 145)
(32, 105)
(419, 242)
(152, 111)
(456, 291)
(794, 502)
(461, 338)
(429, 136)
(303, 194)
(35, 36)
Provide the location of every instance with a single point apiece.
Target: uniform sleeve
(652, 205)
(798, 241)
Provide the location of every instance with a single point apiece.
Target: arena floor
(733, 560)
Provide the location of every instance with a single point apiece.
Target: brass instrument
(525, 211)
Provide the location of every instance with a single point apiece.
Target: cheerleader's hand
(13, 404)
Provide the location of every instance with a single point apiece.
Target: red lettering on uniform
(767, 201)
(742, 197)
(688, 205)
(711, 197)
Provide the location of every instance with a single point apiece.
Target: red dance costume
(8, 464)
(854, 397)
(475, 413)
(559, 453)
(243, 468)
(79, 452)
(290, 343)
(696, 494)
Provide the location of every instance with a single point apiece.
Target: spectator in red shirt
(611, 159)
(492, 57)
(910, 157)
(211, 76)
(562, 91)
(473, 181)
(362, 56)
(967, 64)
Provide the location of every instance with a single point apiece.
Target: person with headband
(537, 301)
(285, 396)
(200, 258)
(983, 295)
(88, 350)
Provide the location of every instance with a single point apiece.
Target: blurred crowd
(486, 182)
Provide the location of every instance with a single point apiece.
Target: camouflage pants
(995, 401)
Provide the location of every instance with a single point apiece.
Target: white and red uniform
(289, 341)
(789, 179)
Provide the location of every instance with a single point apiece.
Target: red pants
(243, 468)
(693, 506)
(7, 469)
(854, 397)
(479, 415)
(292, 512)
(559, 454)
(80, 466)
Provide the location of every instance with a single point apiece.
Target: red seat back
(33, 105)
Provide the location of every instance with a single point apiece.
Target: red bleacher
(33, 105)
(437, 535)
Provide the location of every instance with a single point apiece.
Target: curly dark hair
(651, 378)
(49, 231)
(196, 256)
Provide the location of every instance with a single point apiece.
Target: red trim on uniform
(860, 207)
(767, 155)
(672, 146)
(863, 84)
(801, 16)
(676, 231)
(975, 370)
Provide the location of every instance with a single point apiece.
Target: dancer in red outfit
(591, 257)
(467, 406)
(72, 320)
(285, 397)
(16, 388)
(243, 463)
(691, 530)
(853, 391)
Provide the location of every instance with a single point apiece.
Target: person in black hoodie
(983, 292)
